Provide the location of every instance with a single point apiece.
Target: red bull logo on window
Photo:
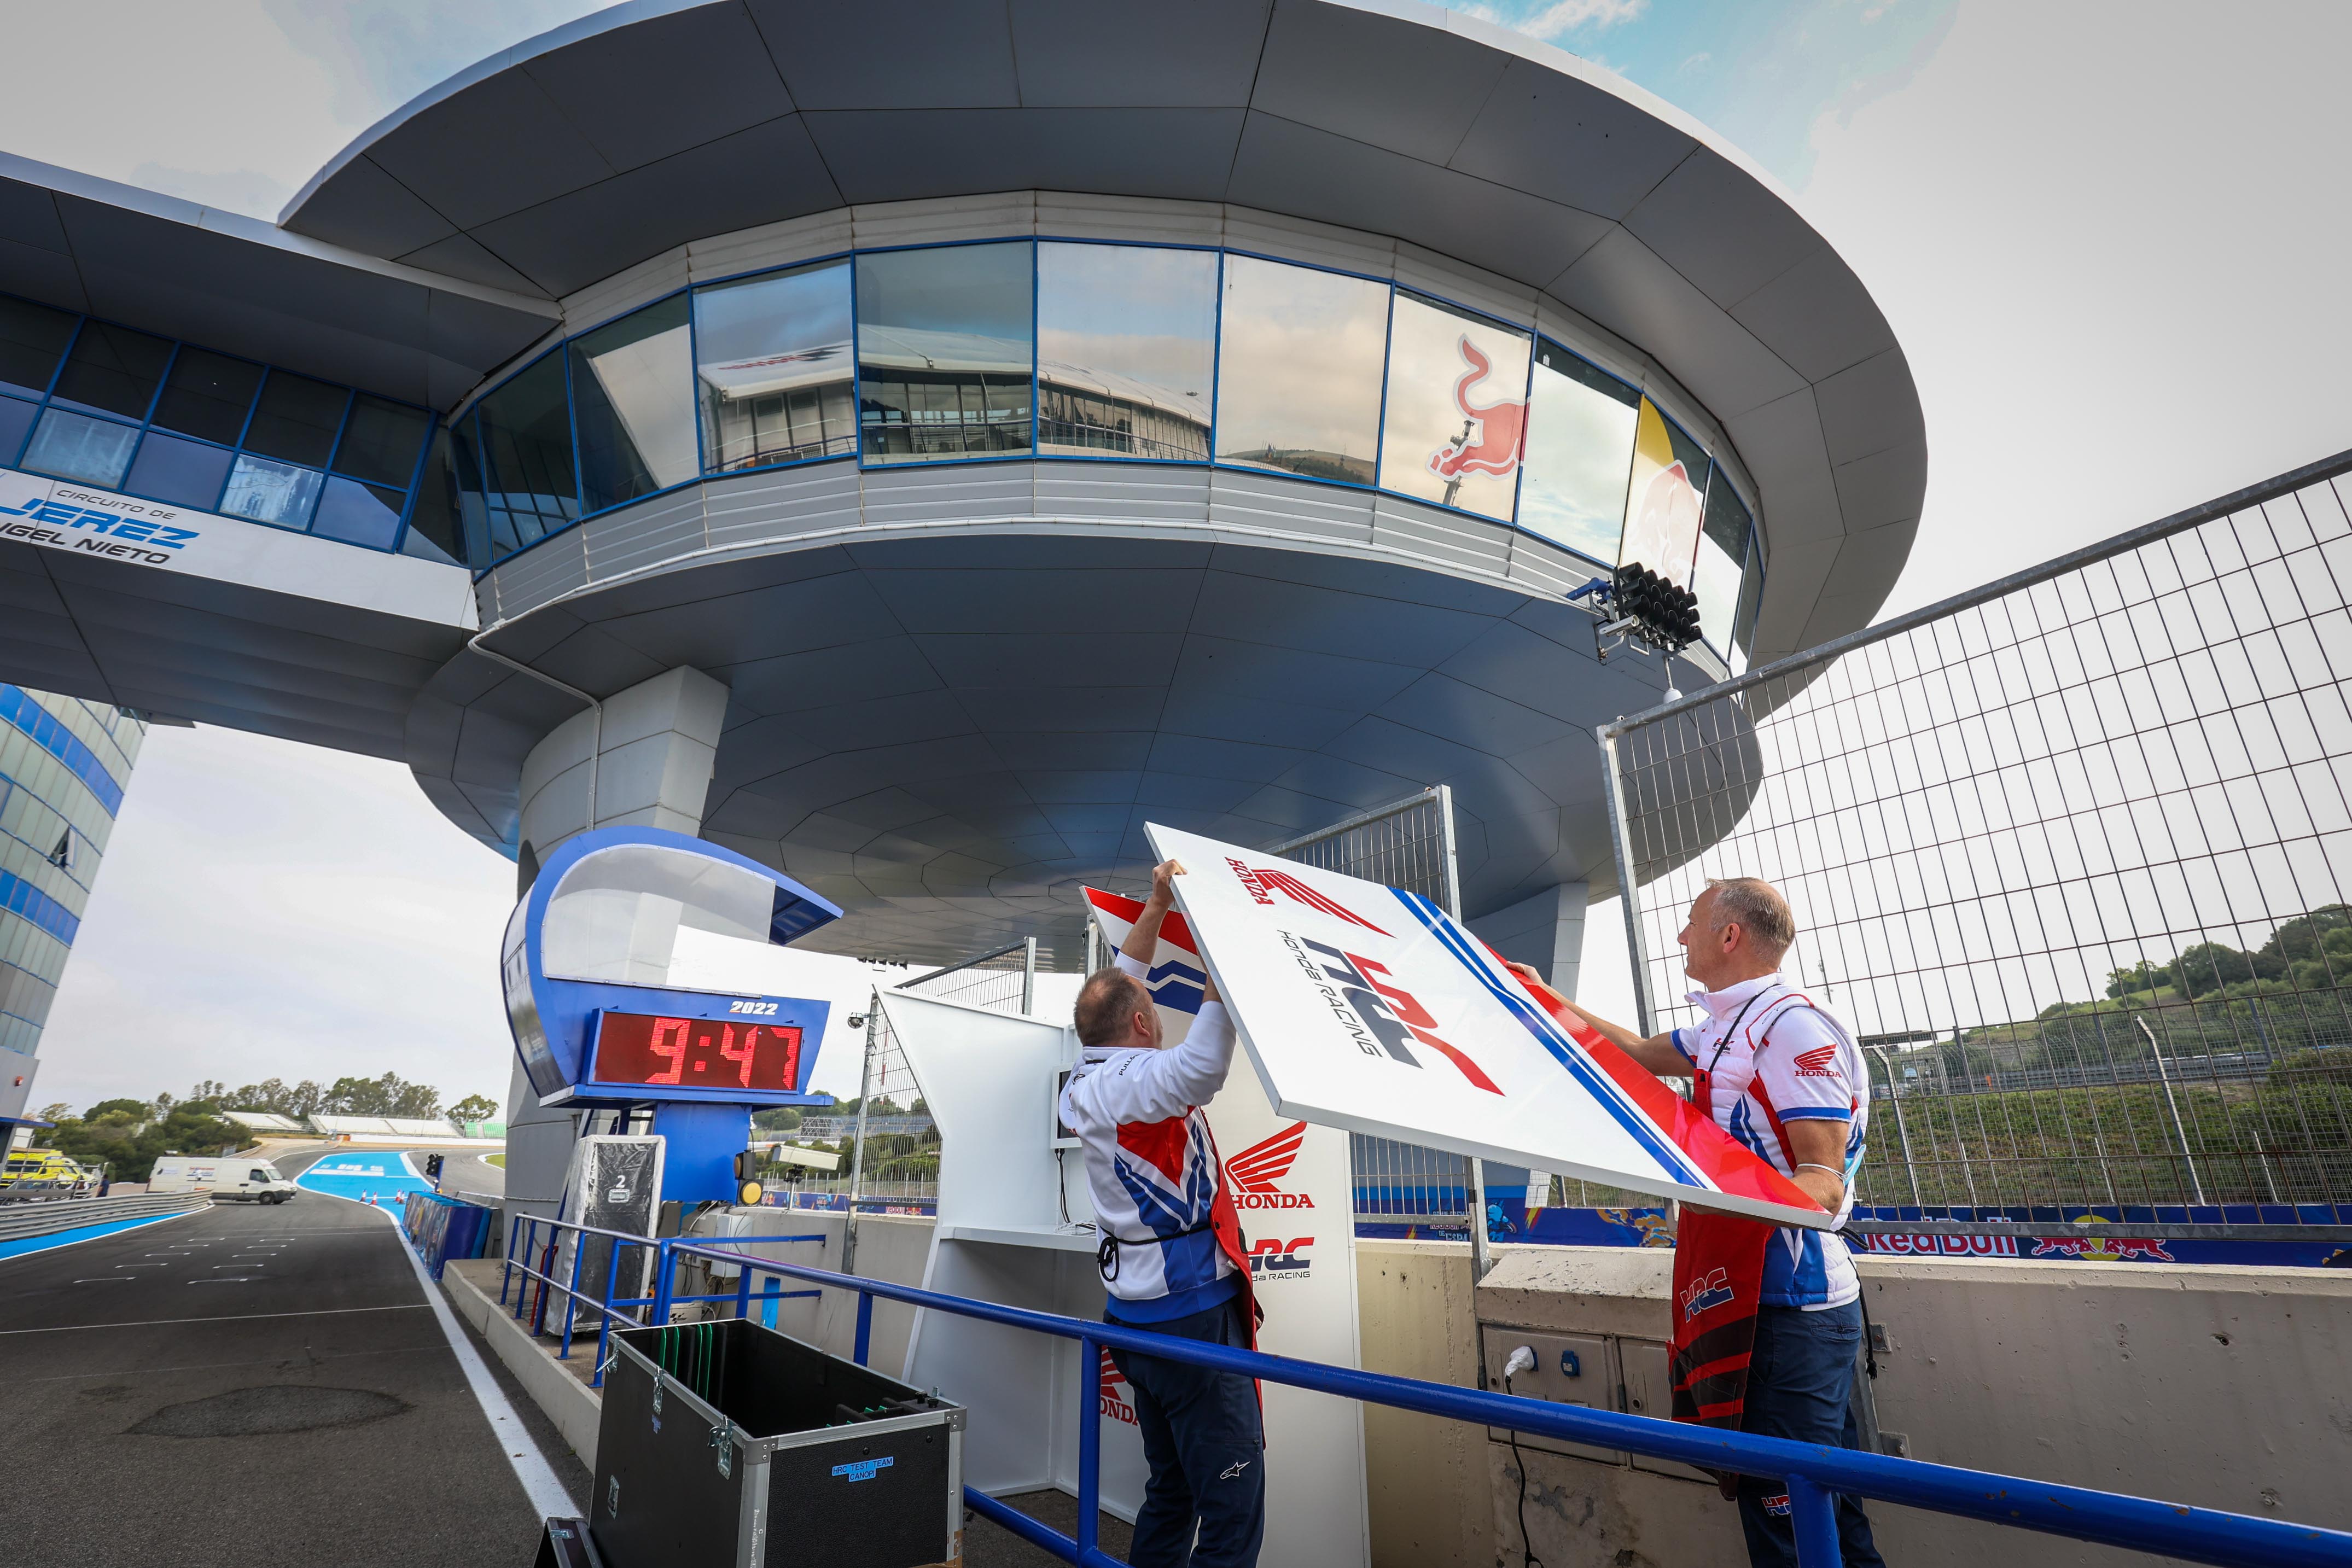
(1489, 442)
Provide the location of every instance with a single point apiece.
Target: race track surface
(250, 1384)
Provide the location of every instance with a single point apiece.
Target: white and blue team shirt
(1776, 1057)
(1152, 1167)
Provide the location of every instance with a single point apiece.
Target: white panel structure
(1370, 1008)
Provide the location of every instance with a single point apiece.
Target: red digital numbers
(697, 1054)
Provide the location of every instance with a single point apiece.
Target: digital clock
(730, 1057)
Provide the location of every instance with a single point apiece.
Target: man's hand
(1143, 936)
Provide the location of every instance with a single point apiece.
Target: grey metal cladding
(1123, 492)
(1081, 54)
(748, 508)
(549, 571)
(1329, 513)
(951, 493)
(1452, 539)
(646, 534)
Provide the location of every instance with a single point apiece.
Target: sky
(2106, 235)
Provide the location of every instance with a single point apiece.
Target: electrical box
(1650, 1391)
(1569, 1369)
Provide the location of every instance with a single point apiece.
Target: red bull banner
(1664, 507)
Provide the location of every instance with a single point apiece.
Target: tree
(473, 1108)
(211, 1090)
(2305, 936)
(135, 1110)
(2141, 976)
(2207, 966)
(120, 1134)
(56, 1111)
(782, 1119)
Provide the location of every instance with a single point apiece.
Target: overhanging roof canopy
(241, 286)
(579, 153)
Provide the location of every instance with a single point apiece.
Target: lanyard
(1704, 1086)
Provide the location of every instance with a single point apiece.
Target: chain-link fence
(1408, 844)
(2070, 852)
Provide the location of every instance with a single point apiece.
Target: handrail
(1814, 1473)
(609, 1309)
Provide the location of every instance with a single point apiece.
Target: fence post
(857, 1149)
(2164, 1076)
(864, 1325)
(665, 1280)
(1812, 1509)
(571, 1295)
(1895, 1093)
(1090, 1356)
(1029, 975)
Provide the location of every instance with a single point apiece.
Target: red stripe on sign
(1173, 930)
(1732, 1168)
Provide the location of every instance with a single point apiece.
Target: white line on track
(530, 1466)
(102, 1280)
(225, 1280)
(219, 1317)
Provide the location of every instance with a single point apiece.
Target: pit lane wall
(2214, 1385)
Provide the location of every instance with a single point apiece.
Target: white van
(230, 1179)
(250, 1181)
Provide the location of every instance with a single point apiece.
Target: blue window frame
(99, 403)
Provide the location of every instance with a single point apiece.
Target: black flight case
(726, 1445)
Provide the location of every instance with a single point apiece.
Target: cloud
(2107, 261)
(1550, 21)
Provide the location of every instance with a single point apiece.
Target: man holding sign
(1768, 1319)
(1172, 1256)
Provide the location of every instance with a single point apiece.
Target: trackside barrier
(530, 1238)
(1815, 1474)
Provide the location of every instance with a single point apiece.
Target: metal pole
(1029, 975)
(2195, 1188)
(1474, 1170)
(1895, 1093)
(1094, 946)
(1621, 836)
(1090, 1357)
(858, 1148)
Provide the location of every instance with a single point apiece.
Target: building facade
(918, 467)
(64, 764)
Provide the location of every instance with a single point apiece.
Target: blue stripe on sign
(18, 897)
(18, 706)
(1547, 1033)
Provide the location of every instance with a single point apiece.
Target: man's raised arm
(1658, 1053)
(1143, 936)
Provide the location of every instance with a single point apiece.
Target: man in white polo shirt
(1785, 1078)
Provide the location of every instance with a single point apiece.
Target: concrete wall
(2223, 1387)
(891, 1247)
(1427, 1478)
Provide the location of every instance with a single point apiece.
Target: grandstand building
(64, 764)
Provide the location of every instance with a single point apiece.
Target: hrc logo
(1705, 1293)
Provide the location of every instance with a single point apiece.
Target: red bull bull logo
(1491, 434)
(2144, 1248)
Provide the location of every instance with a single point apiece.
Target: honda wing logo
(1818, 1062)
(1489, 442)
(1254, 1171)
(1263, 883)
(1113, 1405)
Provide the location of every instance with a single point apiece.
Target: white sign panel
(1370, 1008)
(1293, 1186)
(83, 520)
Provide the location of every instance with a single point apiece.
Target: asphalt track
(251, 1383)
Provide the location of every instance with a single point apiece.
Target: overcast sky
(2106, 236)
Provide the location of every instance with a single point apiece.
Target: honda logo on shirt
(1818, 1062)
(1254, 1171)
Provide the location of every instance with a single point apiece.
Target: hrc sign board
(1369, 1009)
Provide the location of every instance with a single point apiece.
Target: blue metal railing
(524, 1233)
(1814, 1474)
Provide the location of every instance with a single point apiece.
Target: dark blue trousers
(1206, 1448)
(1801, 1385)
